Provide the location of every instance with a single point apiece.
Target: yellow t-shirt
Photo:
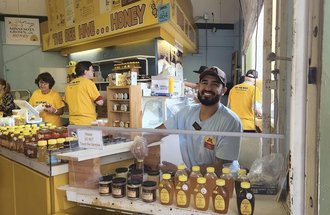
(241, 101)
(80, 95)
(52, 98)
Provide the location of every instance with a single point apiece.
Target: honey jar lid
(183, 178)
(220, 182)
(201, 180)
(51, 141)
(42, 143)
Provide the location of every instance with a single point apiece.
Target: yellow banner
(109, 20)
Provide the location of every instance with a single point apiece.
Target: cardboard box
(264, 189)
(123, 79)
(160, 86)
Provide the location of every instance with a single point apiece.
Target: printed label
(164, 196)
(147, 196)
(181, 198)
(116, 191)
(200, 201)
(219, 203)
(246, 208)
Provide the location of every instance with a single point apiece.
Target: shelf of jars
(264, 204)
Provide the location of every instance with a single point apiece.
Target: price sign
(90, 139)
(163, 13)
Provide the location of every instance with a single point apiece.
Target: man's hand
(167, 167)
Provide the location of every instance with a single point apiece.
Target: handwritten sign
(163, 13)
(90, 139)
(23, 31)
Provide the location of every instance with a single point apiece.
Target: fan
(21, 94)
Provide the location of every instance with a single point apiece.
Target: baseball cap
(201, 69)
(214, 71)
(252, 73)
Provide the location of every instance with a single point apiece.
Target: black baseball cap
(201, 69)
(252, 73)
(214, 71)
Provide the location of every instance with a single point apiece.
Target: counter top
(264, 204)
(42, 168)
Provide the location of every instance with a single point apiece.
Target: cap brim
(205, 73)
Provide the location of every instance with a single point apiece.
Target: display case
(107, 149)
(124, 106)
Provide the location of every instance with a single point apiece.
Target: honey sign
(134, 16)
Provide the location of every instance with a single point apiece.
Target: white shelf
(264, 205)
(111, 149)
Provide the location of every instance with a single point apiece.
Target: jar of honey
(166, 190)
(201, 195)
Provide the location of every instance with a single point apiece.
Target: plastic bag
(266, 170)
(139, 148)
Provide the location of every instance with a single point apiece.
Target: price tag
(163, 13)
(90, 139)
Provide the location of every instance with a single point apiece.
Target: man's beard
(208, 102)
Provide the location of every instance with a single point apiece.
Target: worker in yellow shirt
(48, 101)
(245, 100)
(82, 96)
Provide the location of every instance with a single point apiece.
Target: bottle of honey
(166, 190)
(182, 192)
(241, 177)
(227, 176)
(195, 173)
(245, 199)
(220, 197)
(211, 177)
(201, 195)
(181, 171)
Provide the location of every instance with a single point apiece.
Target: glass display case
(102, 157)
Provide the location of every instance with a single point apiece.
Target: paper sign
(90, 139)
(163, 13)
(23, 31)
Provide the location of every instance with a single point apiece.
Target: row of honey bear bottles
(205, 188)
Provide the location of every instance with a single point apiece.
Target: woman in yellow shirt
(50, 100)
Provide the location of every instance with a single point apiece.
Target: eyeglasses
(42, 83)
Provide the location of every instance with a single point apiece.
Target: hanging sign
(163, 13)
(22, 31)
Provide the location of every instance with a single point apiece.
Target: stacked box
(84, 174)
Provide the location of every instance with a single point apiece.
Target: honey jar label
(147, 196)
(219, 203)
(200, 200)
(164, 196)
(116, 191)
(246, 208)
(181, 198)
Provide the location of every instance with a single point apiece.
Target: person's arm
(99, 101)
(8, 104)
(154, 137)
(218, 164)
(190, 84)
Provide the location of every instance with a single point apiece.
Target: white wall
(24, 7)
(225, 11)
